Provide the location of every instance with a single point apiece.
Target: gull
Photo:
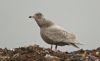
(52, 33)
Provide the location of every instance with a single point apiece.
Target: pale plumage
(54, 34)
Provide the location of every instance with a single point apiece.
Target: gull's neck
(43, 23)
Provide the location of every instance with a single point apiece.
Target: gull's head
(37, 16)
(41, 21)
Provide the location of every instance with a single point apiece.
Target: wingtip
(75, 45)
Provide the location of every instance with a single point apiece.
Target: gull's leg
(51, 46)
(56, 47)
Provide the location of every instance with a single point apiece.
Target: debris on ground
(36, 53)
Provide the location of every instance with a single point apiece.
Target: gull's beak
(30, 16)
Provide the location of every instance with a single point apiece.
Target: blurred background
(82, 17)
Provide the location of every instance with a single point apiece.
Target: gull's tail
(79, 43)
(75, 45)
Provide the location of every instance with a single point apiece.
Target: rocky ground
(36, 53)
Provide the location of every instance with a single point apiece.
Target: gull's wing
(58, 35)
